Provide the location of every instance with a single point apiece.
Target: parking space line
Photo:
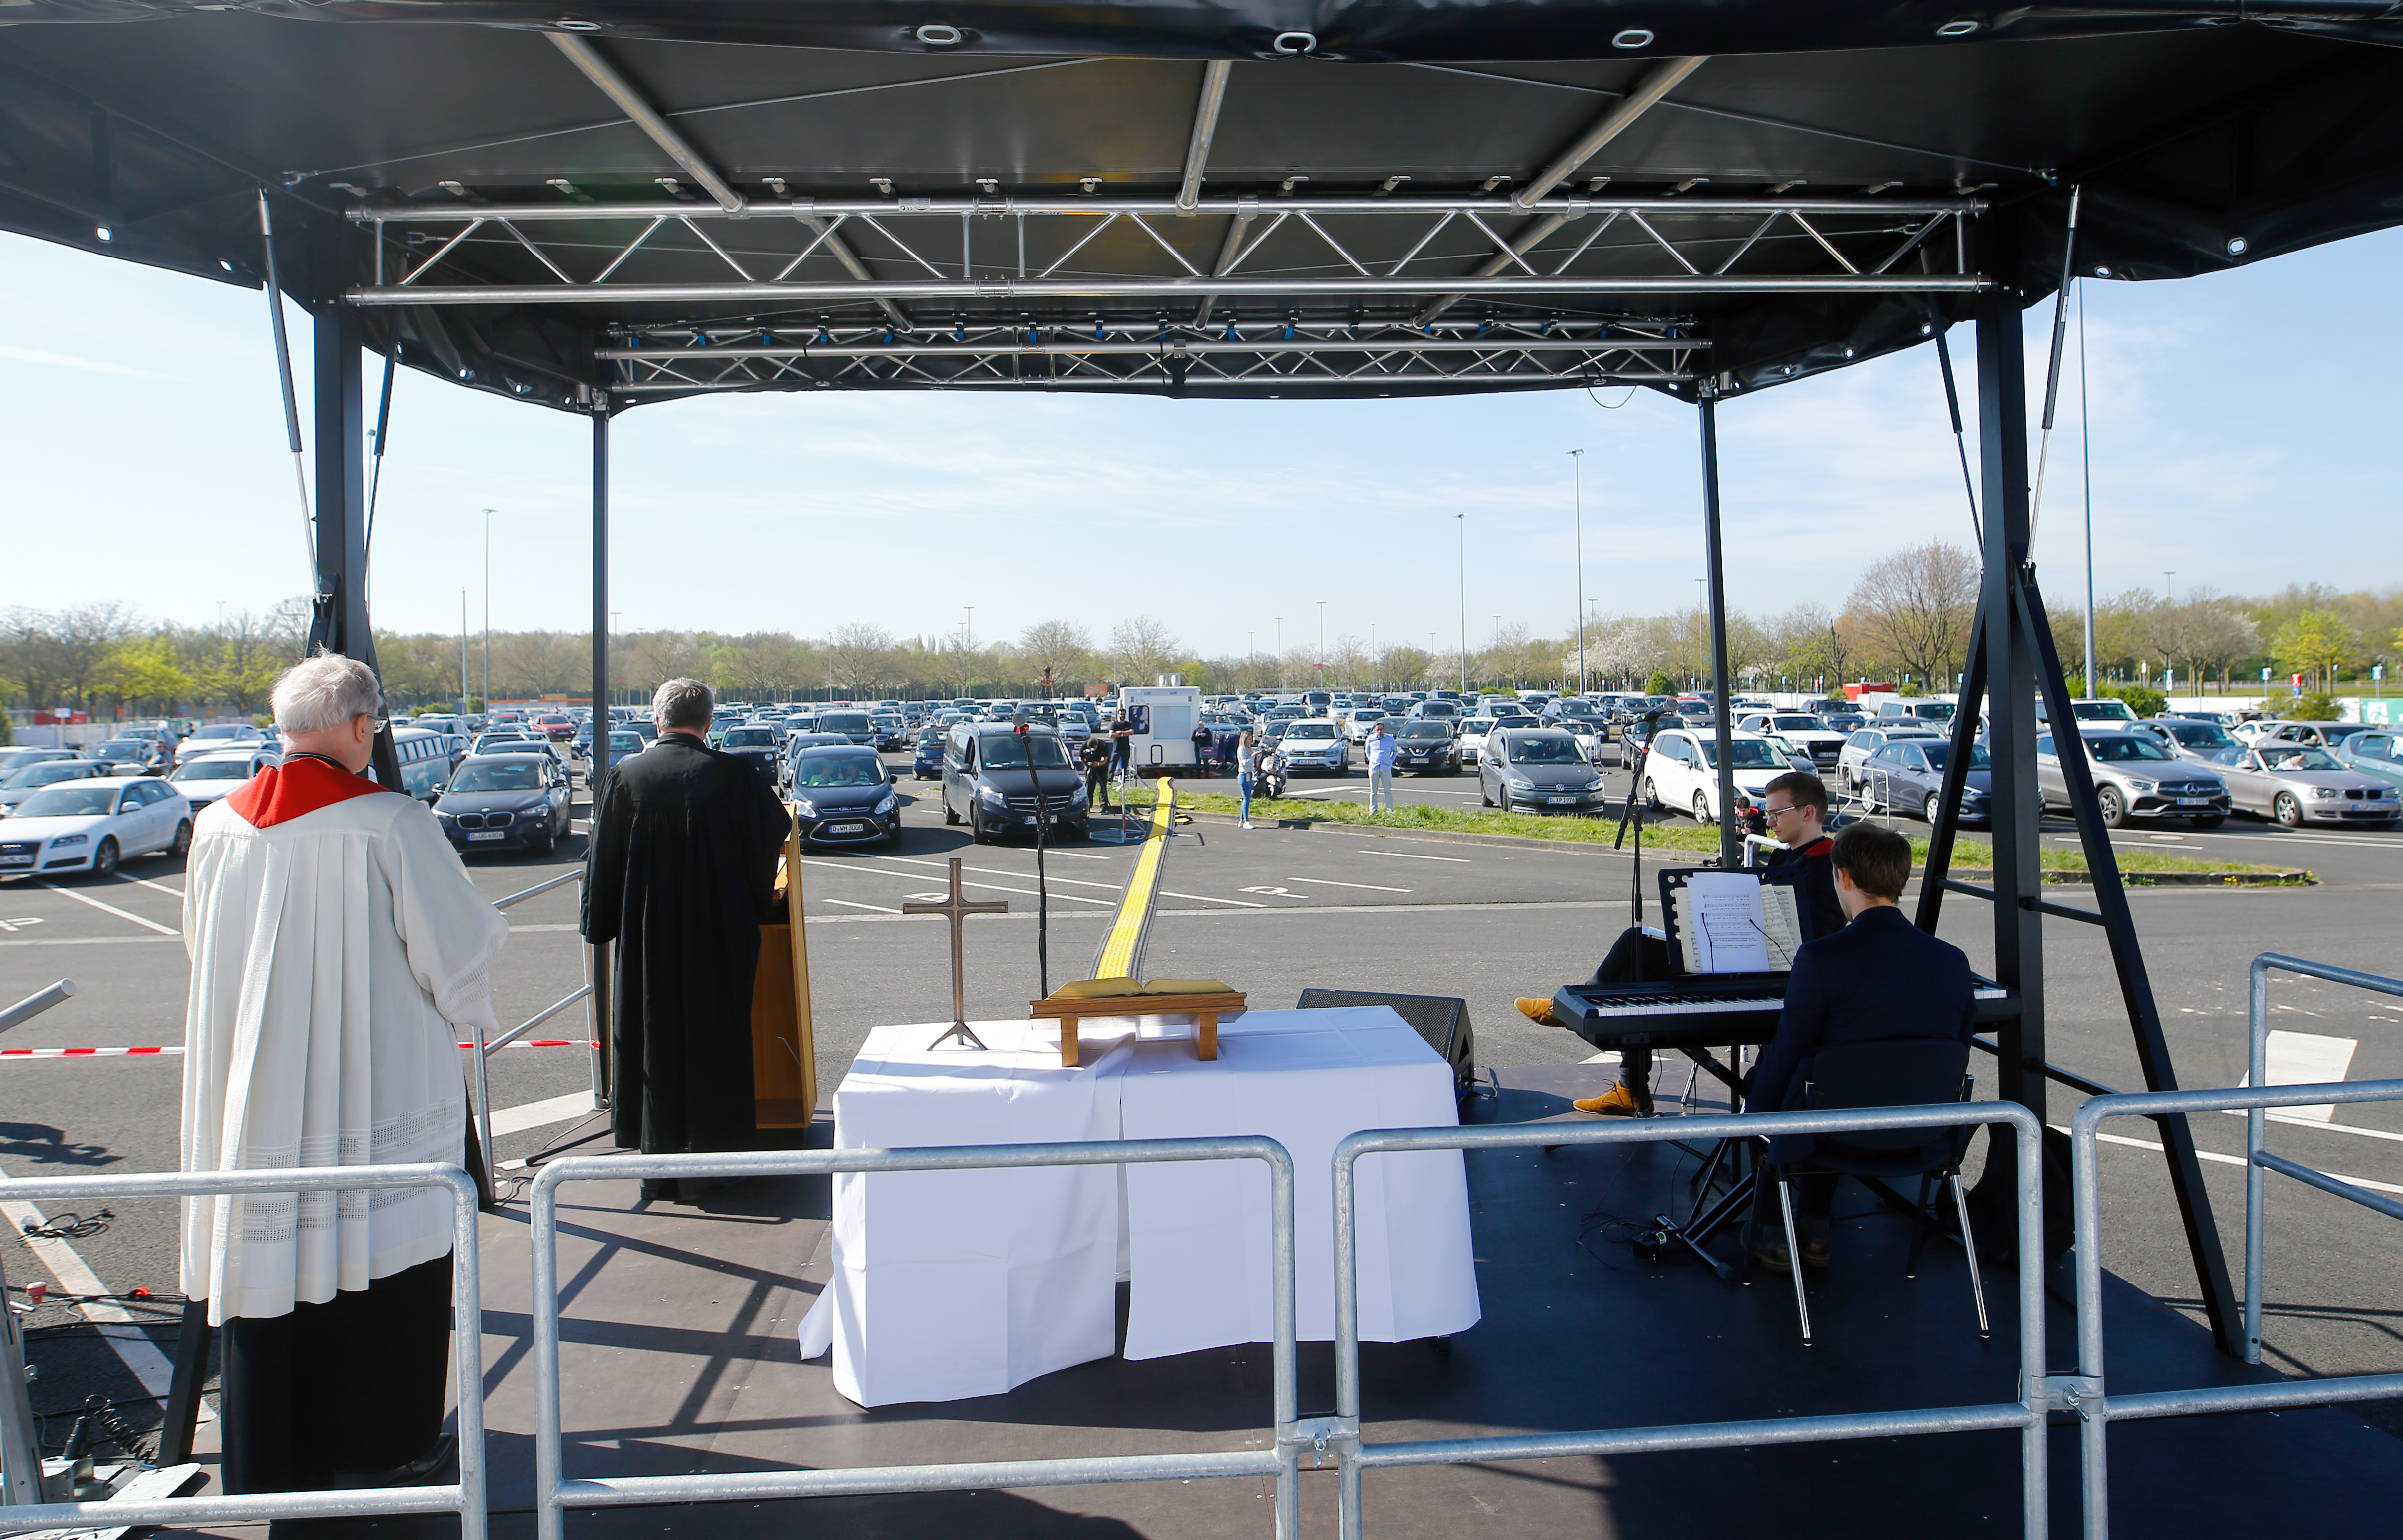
(538, 1114)
(996, 887)
(849, 905)
(121, 914)
(1405, 855)
(1330, 882)
(992, 871)
(154, 887)
(2231, 1159)
(1205, 898)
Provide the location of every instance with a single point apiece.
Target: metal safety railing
(2257, 1157)
(34, 1004)
(21, 1451)
(555, 1492)
(597, 1021)
(2086, 1395)
(2039, 1394)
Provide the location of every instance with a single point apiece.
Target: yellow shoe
(1618, 1101)
(1539, 1011)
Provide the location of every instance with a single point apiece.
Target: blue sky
(2241, 436)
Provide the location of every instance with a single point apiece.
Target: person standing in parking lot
(1382, 746)
(1095, 759)
(1246, 765)
(1201, 749)
(680, 872)
(1121, 742)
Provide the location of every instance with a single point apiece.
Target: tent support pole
(1714, 556)
(598, 962)
(338, 619)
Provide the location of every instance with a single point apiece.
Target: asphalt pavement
(1272, 911)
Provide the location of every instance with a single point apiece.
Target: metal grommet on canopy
(1295, 42)
(1961, 28)
(938, 35)
(1634, 37)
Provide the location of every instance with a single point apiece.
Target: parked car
(1822, 744)
(1537, 770)
(16, 756)
(78, 826)
(1851, 760)
(2099, 711)
(756, 746)
(506, 802)
(134, 756)
(1907, 776)
(1360, 721)
(1438, 710)
(1427, 746)
(855, 726)
(2378, 753)
(843, 795)
(424, 762)
(798, 743)
(1915, 709)
(1683, 770)
(1315, 744)
(2189, 738)
(2135, 776)
(2326, 735)
(218, 735)
(203, 781)
(992, 775)
(25, 779)
(2298, 783)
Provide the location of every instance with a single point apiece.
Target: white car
(24, 780)
(1680, 771)
(92, 826)
(201, 781)
(219, 735)
(1359, 722)
(1867, 740)
(1822, 744)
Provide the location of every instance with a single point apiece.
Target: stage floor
(679, 1356)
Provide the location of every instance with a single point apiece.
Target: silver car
(2378, 753)
(2135, 776)
(2189, 738)
(1316, 745)
(1854, 758)
(1538, 770)
(2298, 783)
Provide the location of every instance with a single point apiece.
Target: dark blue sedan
(842, 797)
(1907, 776)
(927, 761)
(505, 802)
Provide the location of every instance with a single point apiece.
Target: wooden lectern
(784, 1037)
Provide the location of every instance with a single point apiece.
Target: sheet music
(1730, 923)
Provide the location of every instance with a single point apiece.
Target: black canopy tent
(592, 205)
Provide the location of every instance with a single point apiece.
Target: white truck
(1164, 717)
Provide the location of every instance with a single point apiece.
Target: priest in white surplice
(338, 954)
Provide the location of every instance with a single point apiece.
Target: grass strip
(1967, 855)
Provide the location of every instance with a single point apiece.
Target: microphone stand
(1042, 888)
(1627, 814)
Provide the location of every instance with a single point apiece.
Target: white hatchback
(1681, 772)
(92, 826)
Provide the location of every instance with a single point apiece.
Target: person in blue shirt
(1880, 978)
(1382, 746)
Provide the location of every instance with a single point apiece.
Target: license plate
(495, 833)
(846, 828)
(16, 860)
(1031, 820)
(1562, 801)
(2194, 801)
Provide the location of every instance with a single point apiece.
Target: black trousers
(1633, 957)
(1097, 787)
(338, 1394)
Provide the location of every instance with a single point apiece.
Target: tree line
(1905, 621)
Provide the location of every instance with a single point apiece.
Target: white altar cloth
(950, 1284)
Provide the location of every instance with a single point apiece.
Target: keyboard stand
(1706, 1218)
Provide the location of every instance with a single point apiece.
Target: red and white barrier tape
(111, 1053)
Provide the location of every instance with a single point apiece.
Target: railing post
(2256, 1127)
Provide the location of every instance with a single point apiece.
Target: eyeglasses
(1774, 814)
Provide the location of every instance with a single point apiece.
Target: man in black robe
(679, 872)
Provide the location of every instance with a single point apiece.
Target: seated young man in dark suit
(1795, 806)
(1880, 978)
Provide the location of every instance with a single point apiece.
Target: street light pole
(1577, 486)
(1462, 520)
(488, 612)
(1322, 639)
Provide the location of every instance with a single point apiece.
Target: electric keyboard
(1702, 1011)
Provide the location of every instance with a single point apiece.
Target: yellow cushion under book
(1185, 986)
(1096, 989)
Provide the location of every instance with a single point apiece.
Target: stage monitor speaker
(1442, 1020)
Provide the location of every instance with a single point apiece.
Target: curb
(1518, 842)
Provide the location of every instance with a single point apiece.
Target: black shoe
(425, 1471)
(1769, 1249)
(1814, 1236)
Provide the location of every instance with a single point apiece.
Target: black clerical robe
(679, 872)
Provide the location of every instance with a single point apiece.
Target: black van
(989, 786)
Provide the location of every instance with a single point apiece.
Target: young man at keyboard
(1796, 807)
(1880, 978)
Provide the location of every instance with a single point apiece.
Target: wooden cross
(957, 908)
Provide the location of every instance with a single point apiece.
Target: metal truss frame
(685, 359)
(1356, 248)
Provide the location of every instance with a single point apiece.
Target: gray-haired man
(680, 872)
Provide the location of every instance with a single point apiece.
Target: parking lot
(1275, 911)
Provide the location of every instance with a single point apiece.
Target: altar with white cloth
(950, 1284)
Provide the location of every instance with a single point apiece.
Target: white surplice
(337, 959)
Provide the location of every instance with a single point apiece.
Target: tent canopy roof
(646, 200)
